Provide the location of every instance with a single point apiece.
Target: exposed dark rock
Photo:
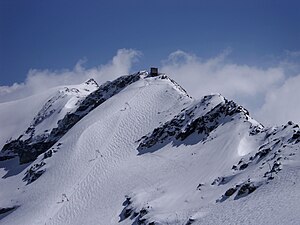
(199, 186)
(274, 170)
(140, 220)
(234, 167)
(262, 153)
(243, 166)
(34, 172)
(190, 221)
(132, 213)
(127, 213)
(28, 150)
(242, 190)
(185, 124)
(256, 130)
(48, 154)
(5, 210)
(296, 135)
(246, 189)
(230, 192)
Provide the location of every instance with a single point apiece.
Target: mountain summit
(140, 150)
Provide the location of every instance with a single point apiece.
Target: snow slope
(17, 115)
(42, 111)
(150, 154)
(64, 101)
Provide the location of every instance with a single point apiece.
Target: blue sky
(249, 51)
(56, 34)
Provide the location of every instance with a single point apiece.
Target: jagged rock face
(29, 145)
(219, 163)
(278, 146)
(92, 82)
(104, 92)
(26, 150)
(64, 102)
(201, 119)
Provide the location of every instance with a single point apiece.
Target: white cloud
(264, 92)
(270, 94)
(282, 104)
(40, 80)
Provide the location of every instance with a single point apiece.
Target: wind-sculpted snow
(280, 144)
(207, 162)
(277, 148)
(200, 119)
(65, 101)
(30, 145)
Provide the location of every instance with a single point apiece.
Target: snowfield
(149, 154)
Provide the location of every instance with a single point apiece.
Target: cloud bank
(40, 80)
(270, 94)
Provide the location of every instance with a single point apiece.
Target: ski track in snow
(98, 164)
(116, 128)
(122, 128)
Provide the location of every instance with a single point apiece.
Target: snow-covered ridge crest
(60, 114)
(91, 82)
(65, 101)
(201, 118)
(207, 162)
(174, 83)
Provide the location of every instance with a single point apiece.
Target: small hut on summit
(153, 71)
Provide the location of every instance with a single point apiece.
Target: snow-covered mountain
(140, 151)
(63, 102)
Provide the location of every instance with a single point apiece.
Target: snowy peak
(105, 91)
(173, 82)
(233, 157)
(60, 113)
(91, 83)
(141, 140)
(65, 101)
(198, 120)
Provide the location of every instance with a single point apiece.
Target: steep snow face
(146, 153)
(65, 101)
(97, 147)
(29, 147)
(202, 118)
(16, 116)
(62, 102)
(223, 178)
(24, 114)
